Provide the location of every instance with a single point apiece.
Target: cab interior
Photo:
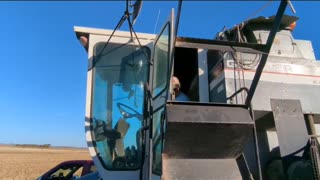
(186, 70)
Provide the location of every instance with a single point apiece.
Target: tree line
(34, 145)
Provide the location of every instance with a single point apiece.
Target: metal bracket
(290, 124)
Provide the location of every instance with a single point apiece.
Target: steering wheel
(127, 114)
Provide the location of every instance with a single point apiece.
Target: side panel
(281, 78)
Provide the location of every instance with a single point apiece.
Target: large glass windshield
(117, 108)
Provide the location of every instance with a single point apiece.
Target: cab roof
(86, 31)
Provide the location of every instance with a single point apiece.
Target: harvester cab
(136, 130)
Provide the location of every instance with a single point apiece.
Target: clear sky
(43, 76)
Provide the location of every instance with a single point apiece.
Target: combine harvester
(254, 93)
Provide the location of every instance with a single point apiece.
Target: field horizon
(19, 163)
(39, 145)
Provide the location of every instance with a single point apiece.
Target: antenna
(155, 26)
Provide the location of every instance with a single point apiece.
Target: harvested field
(23, 163)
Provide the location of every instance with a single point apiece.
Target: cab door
(159, 80)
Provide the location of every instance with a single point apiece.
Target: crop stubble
(18, 163)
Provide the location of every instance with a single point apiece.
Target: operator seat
(122, 127)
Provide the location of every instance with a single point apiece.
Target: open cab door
(159, 85)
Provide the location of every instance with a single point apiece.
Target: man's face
(176, 85)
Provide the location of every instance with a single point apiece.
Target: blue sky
(43, 79)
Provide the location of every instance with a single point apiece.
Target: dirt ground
(20, 163)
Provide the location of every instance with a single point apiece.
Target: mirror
(136, 10)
